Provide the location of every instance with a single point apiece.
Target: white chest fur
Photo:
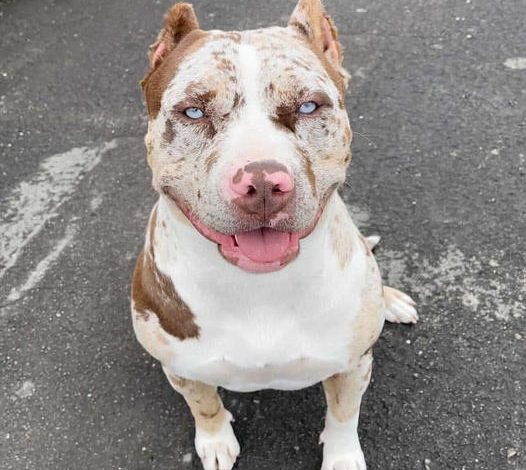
(286, 330)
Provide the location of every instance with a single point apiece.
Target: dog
(253, 275)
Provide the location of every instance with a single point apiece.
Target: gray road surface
(438, 107)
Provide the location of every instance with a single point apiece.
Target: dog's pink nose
(263, 188)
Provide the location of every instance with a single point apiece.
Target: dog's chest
(267, 348)
(280, 335)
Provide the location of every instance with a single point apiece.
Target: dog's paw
(217, 451)
(372, 241)
(399, 307)
(350, 461)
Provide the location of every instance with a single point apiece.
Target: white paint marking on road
(26, 390)
(32, 203)
(456, 277)
(40, 271)
(515, 63)
(96, 202)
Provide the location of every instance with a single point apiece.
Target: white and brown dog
(253, 275)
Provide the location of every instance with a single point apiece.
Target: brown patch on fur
(225, 65)
(307, 167)
(286, 120)
(258, 168)
(237, 100)
(300, 27)
(169, 132)
(204, 402)
(154, 291)
(211, 160)
(238, 176)
(156, 81)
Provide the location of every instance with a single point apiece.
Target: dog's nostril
(251, 190)
(277, 189)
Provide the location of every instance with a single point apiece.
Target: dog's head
(248, 133)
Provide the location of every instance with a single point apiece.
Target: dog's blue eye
(308, 107)
(194, 113)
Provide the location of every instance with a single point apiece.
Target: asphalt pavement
(437, 103)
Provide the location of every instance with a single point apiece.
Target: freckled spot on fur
(143, 316)
(210, 161)
(300, 28)
(225, 65)
(238, 176)
(307, 167)
(169, 132)
(237, 100)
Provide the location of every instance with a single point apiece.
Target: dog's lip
(229, 244)
(230, 249)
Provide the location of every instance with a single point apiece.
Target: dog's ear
(311, 20)
(178, 22)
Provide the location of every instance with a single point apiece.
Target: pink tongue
(263, 245)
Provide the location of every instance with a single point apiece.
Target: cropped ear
(178, 22)
(311, 20)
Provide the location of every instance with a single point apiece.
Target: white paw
(341, 446)
(349, 461)
(399, 307)
(217, 451)
(372, 241)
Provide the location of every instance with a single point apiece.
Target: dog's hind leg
(341, 446)
(215, 442)
(399, 307)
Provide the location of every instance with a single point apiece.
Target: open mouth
(261, 250)
(258, 251)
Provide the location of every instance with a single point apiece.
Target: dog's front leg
(215, 442)
(341, 449)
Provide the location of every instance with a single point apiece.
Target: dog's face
(248, 133)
